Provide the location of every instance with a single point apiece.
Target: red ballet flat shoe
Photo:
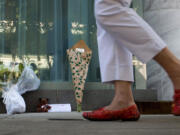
(130, 113)
(176, 103)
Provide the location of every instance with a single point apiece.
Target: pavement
(73, 124)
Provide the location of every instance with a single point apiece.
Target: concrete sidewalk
(74, 124)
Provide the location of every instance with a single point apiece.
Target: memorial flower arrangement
(10, 73)
(79, 57)
(15, 80)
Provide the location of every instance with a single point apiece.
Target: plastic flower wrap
(79, 59)
(13, 72)
(15, 80)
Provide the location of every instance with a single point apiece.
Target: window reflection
(42, 31)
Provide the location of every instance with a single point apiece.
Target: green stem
(79, 107)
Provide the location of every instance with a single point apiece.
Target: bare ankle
(119, 104)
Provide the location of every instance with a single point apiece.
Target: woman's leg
(115, 60)
(123, 96)
(171, 65)
(116, 67)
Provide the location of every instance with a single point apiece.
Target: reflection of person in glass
(121, 33)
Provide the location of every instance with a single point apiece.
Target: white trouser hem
(154, 48)
(122, 73)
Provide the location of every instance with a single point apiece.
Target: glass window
(42, 31)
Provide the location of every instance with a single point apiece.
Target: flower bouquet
(15, 80)
(79, 57)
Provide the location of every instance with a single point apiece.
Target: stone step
(158, 107)
(92, 99)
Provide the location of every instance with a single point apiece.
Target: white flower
(16, 68)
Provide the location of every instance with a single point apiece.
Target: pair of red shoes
(130, 113)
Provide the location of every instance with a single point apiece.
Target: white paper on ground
(60, 108)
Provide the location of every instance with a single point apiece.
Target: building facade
(40, 31)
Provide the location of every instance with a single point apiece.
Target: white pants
(121, 33)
